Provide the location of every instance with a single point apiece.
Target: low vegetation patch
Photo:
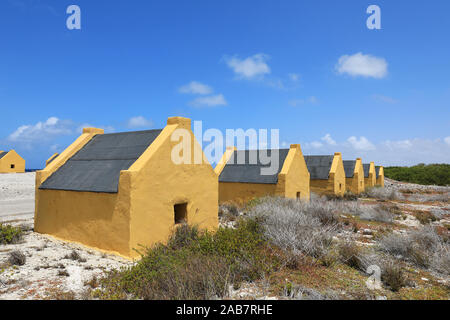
(432, 174)
(17, 258)
(424, 248)
(382, 193)
(10, 234)
(194, 265)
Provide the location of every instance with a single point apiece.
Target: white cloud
(362, 65)
(447, 140)
(298, 102)
(385, 99)
(389, 152)
(250, 67)
(361, 144)
(327, 138)
(195, 87)
(209, 101)
(294, 77)
(40, 131)
(139, 122)
(316, 144)
(402, 144)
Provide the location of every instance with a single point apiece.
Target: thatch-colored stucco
(142, 211)
(11, 162)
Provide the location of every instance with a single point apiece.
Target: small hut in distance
(11, 162)
(354, 175)
(241, 182)
(327, 174)
(380, 176)
(49, 160)
(370, 178)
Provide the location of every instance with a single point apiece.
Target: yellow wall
(12, 158)
(380, 179)
(372, 179)
(335, 185)
(158, 184)
(356, 184)
(243, 192)
(51, 158)
(142, 212)
(293, 178)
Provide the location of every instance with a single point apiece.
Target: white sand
(16, 195)
(42, 274)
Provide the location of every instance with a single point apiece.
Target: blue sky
(311, 69)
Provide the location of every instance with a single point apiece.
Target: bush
(382, 193)
(298, 227)
(350, 254)
(193, 265)
(74, 255)
(422, 247)
(17, 258)
(392, 276)
(432, 174)
(10, 234)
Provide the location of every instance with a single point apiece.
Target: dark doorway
(180, 211)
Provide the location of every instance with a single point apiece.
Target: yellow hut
(370, 178)
(118, 191)
(243, 175)
(11, 162)
(327, 174)
(379, 170)
(354, 175)
(49, 160)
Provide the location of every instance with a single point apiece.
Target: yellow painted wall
(335, 185)
(372, 179)
(380, 179)
(356, 184)
(12, 158)
(51, 158)
(293, 178)
(158, 184)
(244, 192)
(142, 212)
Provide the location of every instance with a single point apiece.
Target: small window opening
(298, 195)
(340, 186)
(13, 166)
(180, 211)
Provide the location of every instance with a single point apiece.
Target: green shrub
(9, 234)
(349, 254)
(193, 265)
(432, 174)
(392, 276)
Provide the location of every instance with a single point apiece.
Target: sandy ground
(48, 271)
(16, 195)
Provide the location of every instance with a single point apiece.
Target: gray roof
(2, 154)
(251, 172)
(319, 166)
(349, 168)
(377, 170)
(366, 167)
(96, 167)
